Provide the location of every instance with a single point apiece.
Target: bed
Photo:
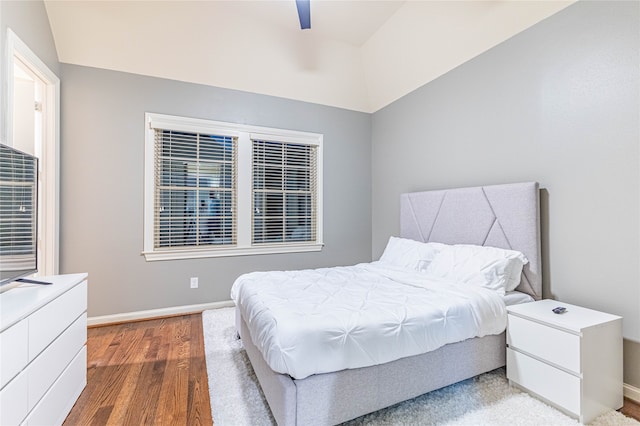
(503, 216)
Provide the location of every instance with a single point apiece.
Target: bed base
(333, 398)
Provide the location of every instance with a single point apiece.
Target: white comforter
(324, 320)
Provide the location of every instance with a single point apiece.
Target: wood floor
(153, 373)
(145, 373)
(631, 409)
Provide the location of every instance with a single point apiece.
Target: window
(284, 188)
(223, 189)
(194, 189)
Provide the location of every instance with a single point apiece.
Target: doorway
(33, 127)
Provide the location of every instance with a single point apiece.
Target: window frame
(244, 193)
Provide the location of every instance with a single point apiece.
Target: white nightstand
(571, 360)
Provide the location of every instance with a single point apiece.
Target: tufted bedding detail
(325, 320)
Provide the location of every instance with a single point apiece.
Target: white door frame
(16, 48)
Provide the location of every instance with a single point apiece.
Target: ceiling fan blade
(304, 13)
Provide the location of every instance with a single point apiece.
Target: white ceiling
(360, 55)
(352, 22)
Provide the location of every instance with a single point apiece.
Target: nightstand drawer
(544, 342)
(548, 382)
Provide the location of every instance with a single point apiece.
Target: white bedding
(324, 320)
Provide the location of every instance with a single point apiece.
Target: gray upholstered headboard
(505, 216)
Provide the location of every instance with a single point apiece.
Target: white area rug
(237, 400)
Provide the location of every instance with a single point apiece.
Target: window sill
(153, 256)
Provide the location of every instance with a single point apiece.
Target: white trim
(632, 392)
(243, 192)
(149, 184)
(3, 85)
(320, 193)
(230, 251)
(16, 48)
(307, 139)
(174, 122)
(156, 313)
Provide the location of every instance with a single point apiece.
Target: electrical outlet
(194, 282)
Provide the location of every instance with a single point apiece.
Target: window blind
(284, 177)
(17, 207)
(195, 184)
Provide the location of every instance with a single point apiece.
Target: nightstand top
(575, 319)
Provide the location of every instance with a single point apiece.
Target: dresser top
(19, 302)
(575, 319)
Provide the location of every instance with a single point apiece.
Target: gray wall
(558, 104)
(102, 186)
(29, 20)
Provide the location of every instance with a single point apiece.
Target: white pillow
(490, 267)
(410, 254)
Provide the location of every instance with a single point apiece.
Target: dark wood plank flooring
(153, 373)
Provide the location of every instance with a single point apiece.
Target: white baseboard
(155, 313)
(632, 392)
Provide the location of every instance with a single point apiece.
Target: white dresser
(43, 354)
(571, 360)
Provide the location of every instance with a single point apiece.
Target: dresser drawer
(56, 404)
(548, 382)
(47, 323)
(550, 344)
(13, 401)
(14, 351)
(55, 358)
